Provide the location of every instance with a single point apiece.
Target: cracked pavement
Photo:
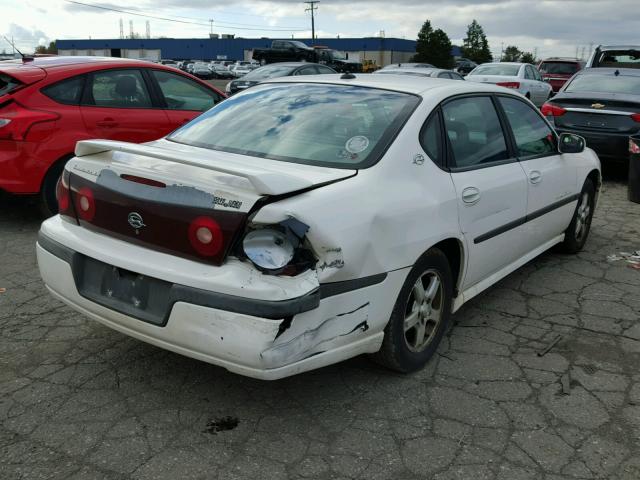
(80, 401)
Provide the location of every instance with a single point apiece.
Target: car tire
(417, 324)
(48, 201)
(576, 234)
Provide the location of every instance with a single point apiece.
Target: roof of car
(290, 64)
(400, 83)
(57, 61)
(503, 63)
(618, 47)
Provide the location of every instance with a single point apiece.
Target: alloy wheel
(423, 312)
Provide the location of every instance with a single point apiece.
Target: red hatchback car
(47, 104)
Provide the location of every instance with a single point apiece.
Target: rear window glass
(560, 68)
(605, 84)
(620, 59)
(67, 92)
(270, 71)
(507, 70)
(7, 83)
(328, 125)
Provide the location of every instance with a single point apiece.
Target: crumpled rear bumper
(334, 325)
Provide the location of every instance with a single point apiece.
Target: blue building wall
(210, 48)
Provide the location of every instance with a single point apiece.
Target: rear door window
(181, 93)
(67, 91)
(474, 132)
(431, 139)
(118, 89)
(532, 134)
(7, 84)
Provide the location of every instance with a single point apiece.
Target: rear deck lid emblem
(597, 105)
(135, 220)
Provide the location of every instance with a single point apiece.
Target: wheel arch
(453, 249)
(62, 160)
(595, 176)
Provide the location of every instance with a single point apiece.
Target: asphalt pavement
(539, 379)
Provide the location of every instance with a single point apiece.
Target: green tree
(51, 49)
(528, 57)
(511, 54)
(475, 45)
(433, 46)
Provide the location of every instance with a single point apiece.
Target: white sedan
(522, 77)
(311, 219)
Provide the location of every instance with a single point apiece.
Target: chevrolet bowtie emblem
(597, 105)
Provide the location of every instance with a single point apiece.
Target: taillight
(205, 236)
(16, 121)
(551, 110)
(633, 147)
(63, 195)
(509, 84)
(636, 117)
(85, 204)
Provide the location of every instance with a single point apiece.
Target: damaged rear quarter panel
(378, 221)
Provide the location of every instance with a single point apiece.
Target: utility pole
(501, 50)
(130, 28)
(311, 8)
(121, 29)
(535, 53)
(148, 29)
(210, 27)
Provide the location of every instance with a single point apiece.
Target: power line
(167, 19)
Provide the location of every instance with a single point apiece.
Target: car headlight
(268, 249)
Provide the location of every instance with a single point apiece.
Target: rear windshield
(605, 84)
(619, 59)
(270, 71)
(7, 84)
(559, 68)
(338, 126)
(506, 70)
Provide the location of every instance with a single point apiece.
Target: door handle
(470, 195)
(535, 176)
(107, 123)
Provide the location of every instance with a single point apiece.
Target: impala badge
(135, 220)
(597, 105)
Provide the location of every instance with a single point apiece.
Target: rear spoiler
(263, 180)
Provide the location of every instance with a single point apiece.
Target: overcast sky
(553, 27)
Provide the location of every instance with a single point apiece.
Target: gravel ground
(78, 400)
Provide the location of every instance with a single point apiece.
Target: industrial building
(382, 50)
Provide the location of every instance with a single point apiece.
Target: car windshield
(270, 71)
(620, 59)
(505, 70)
(625, 84)
(559, 68)
(339, 126)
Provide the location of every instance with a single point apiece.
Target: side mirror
(571, 143)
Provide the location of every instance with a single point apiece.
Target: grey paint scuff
(314, 341)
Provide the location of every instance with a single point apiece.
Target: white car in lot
(312, 219)
(522, 77)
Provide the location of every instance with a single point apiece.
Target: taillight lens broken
(16, 121)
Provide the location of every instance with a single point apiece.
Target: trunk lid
(600, 112)
(179, 199)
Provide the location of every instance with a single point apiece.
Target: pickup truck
(294, 51)
(284, 51)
